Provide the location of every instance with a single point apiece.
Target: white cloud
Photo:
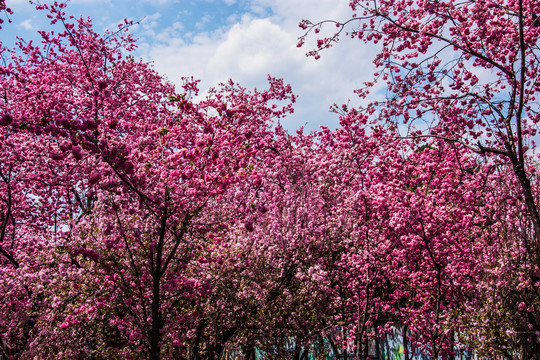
(160, 2)
(255, 46)
(233, 18)
(203, 21)
(28, 24)
(252, 47)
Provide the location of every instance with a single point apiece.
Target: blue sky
(214, 40)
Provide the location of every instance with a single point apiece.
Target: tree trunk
(405, 344)
(155, 335)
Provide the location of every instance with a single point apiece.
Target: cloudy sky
(214, 40)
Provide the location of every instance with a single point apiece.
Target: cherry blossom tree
(291, 230)
(32, 213)
(465, 73)
(405, 226)
(148, 168)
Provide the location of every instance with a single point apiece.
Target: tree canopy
(139, 223)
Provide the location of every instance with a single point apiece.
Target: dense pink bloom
(155, 226)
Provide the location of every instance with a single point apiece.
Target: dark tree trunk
(155, 335)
